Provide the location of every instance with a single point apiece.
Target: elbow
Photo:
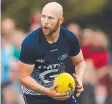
(23, 79)
(20, 79)
(84, 64)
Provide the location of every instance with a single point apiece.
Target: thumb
(55, 86)
(75, 77)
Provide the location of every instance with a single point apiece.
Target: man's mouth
(45, 27)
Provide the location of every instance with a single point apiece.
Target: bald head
(53, 8)
(51, 18)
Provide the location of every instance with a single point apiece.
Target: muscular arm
(80, 65)
(25, 71)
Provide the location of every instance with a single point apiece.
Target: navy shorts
(41, 99)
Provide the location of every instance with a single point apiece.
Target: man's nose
(46, 20)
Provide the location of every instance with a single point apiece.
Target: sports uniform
(50, 60)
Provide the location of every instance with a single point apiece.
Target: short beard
(51, 32)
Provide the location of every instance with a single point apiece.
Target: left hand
(79, 85)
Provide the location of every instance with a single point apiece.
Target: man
(43, 56)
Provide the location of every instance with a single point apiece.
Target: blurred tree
(21, 10)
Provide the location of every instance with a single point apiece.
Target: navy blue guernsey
(49, 59)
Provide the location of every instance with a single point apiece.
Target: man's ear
(61, 20)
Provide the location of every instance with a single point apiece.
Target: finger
(61, 95)
(78, 94)
(79, 87)
(75, 77)
(62, 98)
(55, 86)
(80, 90)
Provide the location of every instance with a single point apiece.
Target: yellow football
(65, 82)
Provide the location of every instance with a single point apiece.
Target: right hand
(51, 92)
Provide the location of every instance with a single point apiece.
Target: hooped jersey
(49, 59)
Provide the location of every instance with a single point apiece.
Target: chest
(53, 53)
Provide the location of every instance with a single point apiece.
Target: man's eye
(51, 18)
(43, 16)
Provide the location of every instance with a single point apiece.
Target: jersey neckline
(54, 43)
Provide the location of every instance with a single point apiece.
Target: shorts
(42, 99)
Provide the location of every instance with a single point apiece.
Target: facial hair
(51, 31)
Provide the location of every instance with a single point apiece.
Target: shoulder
(71, 42)
(68, 34)
(31, 39)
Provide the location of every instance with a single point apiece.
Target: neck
(54, 37)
